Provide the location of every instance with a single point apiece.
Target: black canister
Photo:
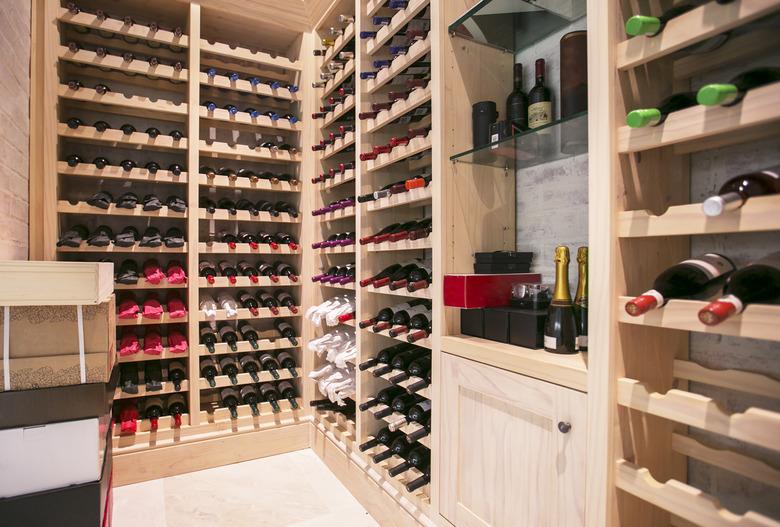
(483, 114)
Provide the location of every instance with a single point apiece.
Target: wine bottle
(405, 401)
(250, 365)
(176, 374)
(517, 104)
(153, 409)
(228, 335)
(230, 399)
(560, 328)
(695, 278)
(399, 447)
(229, 367)
(419, 317)
(245, 204)
(286, 360)
(540, 111)
(270, 364)
(655, 116)
(419, 413)
(207, 270)
(272, 395)
(385, 356)
(418, 278)
(383, 436)
(175, 406)
(386, 314)
(757, 283)
(384, 396)
(381, 234)
(208, 338)
(581, 301)
(423, 431)
(289, 392)
(250, 396)
(422, 383)
(227, 269)
(285, 269)
(249, 334)
(414, 367)
(283, 298)
(401, 274)
(734, 91)
(128, 378)
(421, 481)
(246, 269)
(737, 190)
(208, 370)
(268, 301)
(286, 330)
(228, 204)
(248, 302)
(651, 26)
(401, 360)
(418, 458)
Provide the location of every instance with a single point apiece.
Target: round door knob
(564, 427)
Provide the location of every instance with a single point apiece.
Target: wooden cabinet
(512, 448)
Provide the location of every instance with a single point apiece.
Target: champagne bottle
(737, 190)
(757, 283)
(734, 91)
(642, 117)
(560, 329)
(581, 301)
(695, 278)
(539, 100)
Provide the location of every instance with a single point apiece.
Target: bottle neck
(561, 292)
(582, 284)
(540, 79)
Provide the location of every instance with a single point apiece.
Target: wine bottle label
(712, 264)
(550, 342)
(539, 114)
(580, 342)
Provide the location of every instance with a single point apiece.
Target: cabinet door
(504, 462)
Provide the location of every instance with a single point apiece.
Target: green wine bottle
(733, 92)
(642, 117)
(581, 301)
(560, 329)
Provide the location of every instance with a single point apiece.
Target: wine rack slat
(145, 321)
(223, 381)
(743, 381)
(758, 321)
(683, 500)
(372, 6)
(418, 197)
(243, 346)
(143, 357)
(349, 287)
(84, 248)
(246, 153)
(82, 207)
(727, 459)
(335, 426)
(338, 44)
(400, 108)
(143, 283)
(245, 215)
(243, 120)
(755, 425)
(416, 51)
(758, 108)
(338, 79)
(338, 180)
(399, 20)
(245, 314)
(690, 28)
(246, 184)
(758, 214)
(423, 343)
(113, 25)
(245, 54)
(340, 110)
(399, 153)
(117, 138)
(340, 214)
(127, 104)
(385, 290)
(245, 281)
(338, 146)
(167, 388)
(242, 248)
(402, 245)
(117, 172)
(244, 86)
(114, 62)
(347, 249)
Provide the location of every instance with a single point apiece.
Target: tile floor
(289, 490)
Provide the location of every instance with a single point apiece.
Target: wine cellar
(331, 229)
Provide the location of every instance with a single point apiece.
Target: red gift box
(474, 291)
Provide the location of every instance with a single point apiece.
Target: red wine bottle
(400, 447)
(228, 335)
(268, 301)
(230, 398)
(271, 395)
(734, 91)
(737, 190)
(384, 396)
(385, 356)
(384, 273)
(400, 275)
(286, 360)
(176, 374)
(153, 409)
(289, 392)
(385, 231)
(175, 406)
(270, 364)
(250, 396)
(401, 361)
(418, 321)
(386, 314)
(286, 330)
(382, 437)
(696, 278)
(403, 316)
(208, 271)
(250, 365)
(248, 301)
(283, 298)
(517, 104)
(246, 269)
(229, 367)
(227, 269)
(757, 283)
(540, 112)
(418, 458)
(208, 370)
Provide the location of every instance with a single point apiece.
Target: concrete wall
(14, 128)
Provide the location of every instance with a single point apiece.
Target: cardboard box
(44, 345)
(483, 290)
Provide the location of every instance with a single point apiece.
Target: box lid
(24, 283)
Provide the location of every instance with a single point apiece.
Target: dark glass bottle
(517, 104)
(208, 338)
(734, 91)
(737, 190)
(642, 117)
(581, 300)
(208, 370)
(540, 110)
(229, 367)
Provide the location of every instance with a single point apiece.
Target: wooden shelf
(242, 248)
(245, 120)
(259, 58)
(689, 28)
(683, 500)
(115, 62)
(84, 248)
(758, 214)
(167, 388)
(338, 146)
(758, 321)
(129, 104)
(244, 86)
(399, 153)
(338, 79)
(117, 138)
(144, 321)
(247, 153)
(117, 172)
(246, 184)
(418, 197)
(423, 343)
(347, 249)
(422, 293)
(416, 51)
(144, 284)
(566, 370)
(689, 128)
(337, 181)
(220, 348)
(738, 380)
(114, 25)
(244, 281)
(223, 381)
(245, 215)
(339, 44)
(754, 425)
(340, 110)
(348, 287)
(143, 357)
(82, 207)
(245, 314)
(373, 6)
(400, 108)
(340, 214)
(402, 245)
(399, 21)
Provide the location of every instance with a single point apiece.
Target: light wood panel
(117, 172)
(401, 18)
(114, 62)
(118, 27)
(126, 104)
(115, 138)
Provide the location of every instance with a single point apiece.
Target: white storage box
(51, 456)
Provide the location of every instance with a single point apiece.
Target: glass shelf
(516, 24)
(558, 140)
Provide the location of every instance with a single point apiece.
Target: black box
(472, 322)
(57, 404)
(74, 506)
(526, 327)
(501, 268)
(497, 324)
(504, 257)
